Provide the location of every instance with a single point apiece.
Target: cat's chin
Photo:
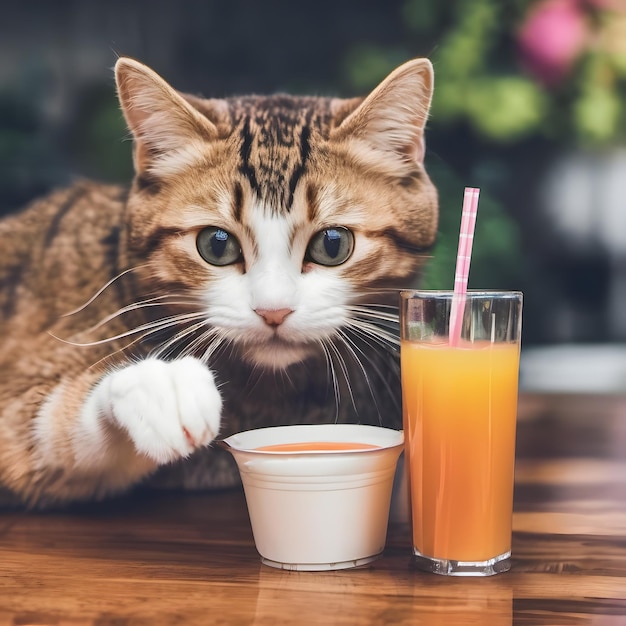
(277, 356)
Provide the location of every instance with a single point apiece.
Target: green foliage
(28, 163)
(462, 50)
(496, 252)
(367, 64)
(481, 81)
(598, 109)
(100, 140)
(502, 108)
(483, 90)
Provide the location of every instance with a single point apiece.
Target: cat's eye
(218, 247)
(332, 246)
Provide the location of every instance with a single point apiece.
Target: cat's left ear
(392, 118)
(167, 130)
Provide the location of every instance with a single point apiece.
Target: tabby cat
(248, 277)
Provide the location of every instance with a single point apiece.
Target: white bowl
(318, 510)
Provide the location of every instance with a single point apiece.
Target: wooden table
(190, 559)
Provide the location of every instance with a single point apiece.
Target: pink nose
(273, 317)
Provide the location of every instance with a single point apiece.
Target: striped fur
(97, 279)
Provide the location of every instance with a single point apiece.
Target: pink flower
(552, 37)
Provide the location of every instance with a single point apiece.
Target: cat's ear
(392, 118)
(167, 130)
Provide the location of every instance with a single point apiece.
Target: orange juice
(460, 407)
(316, 446)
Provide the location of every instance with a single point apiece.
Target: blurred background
(530, 106)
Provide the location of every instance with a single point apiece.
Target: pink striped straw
(463, 258)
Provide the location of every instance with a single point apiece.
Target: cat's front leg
(134, 419)
(168, 409)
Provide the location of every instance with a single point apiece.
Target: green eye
(332, 246)
(218, 247)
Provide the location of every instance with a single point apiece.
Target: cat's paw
(168, 408)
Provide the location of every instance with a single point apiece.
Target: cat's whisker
(374, 314)
(377, 311)
(378, 330)
(285, 376)
(118, 351)
(102, 290)
(208, 336)
(382, 336)
(353, 348)
(150, 328)
(135, 306)
(191, 346)
(168, 348)
(368, 307)
(392, 363)
(229, 343)
(158, 326)
(379, 318)
(380, 290)
(344, 370)
(255, 377)
(331, 375)
(213, 346)
(164, 350)
(372, 341)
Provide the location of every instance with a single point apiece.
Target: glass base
(449, 567)
(319, 567)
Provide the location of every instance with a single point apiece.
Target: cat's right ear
(388, 125)
(168, 132)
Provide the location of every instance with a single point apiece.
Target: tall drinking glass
(459, 397)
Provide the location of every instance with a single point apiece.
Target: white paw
(168, 408)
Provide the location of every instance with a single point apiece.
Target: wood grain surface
(175, 559)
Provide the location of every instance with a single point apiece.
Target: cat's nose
(273, 317)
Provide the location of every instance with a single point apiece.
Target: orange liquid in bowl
(317, 446)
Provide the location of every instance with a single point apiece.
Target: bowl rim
(382, 437)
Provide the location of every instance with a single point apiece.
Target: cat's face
(280, 218)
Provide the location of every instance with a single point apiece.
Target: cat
(248, 277)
